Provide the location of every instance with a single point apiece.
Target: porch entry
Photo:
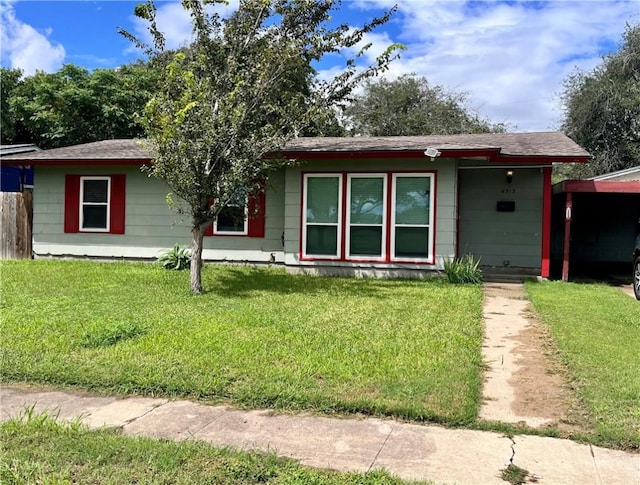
(500, 215)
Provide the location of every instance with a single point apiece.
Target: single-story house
(595, 223)
(390, 206)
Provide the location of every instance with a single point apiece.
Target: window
(411, 220)
(244, 216)
(233, 218)
(321, 215)
(388, 217)
(366, 216)
(94, 203)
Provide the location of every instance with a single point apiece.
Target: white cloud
(510, 57)
(26, 48)
(175, 23)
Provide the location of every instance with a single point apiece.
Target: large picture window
(388, 217)
(366, 216)
(411, 220)
(321, 215)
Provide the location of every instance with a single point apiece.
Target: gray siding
(445, 203)
(150, 225)
(501, 238)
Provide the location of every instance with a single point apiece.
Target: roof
(548, 144)
(129, 150)
(632, 173)
(20, 148)
(551, 146)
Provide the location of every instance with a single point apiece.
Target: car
(636, 268)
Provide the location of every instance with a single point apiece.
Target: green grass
(257, 338)
(596, 329)
(39, 449)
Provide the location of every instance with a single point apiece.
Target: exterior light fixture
(509, 176)
(432, 153)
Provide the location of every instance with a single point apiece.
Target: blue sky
(509, 56)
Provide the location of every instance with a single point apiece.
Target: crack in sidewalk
(375, 458)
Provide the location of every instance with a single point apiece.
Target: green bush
(176, 258)
(465, 269)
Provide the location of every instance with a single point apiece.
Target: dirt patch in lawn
(542, 385)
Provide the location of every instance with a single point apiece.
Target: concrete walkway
(410, 451)
(504, 309)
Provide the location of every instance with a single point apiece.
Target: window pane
(95, 191)
(365, 241)
(366, 200)
(412, 242)
(412, 200)
(94, 217)
(322, 199)
(322, 240)
(230, 219)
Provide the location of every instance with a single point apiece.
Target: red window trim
(256, 206)
(117, 205)
(387, 259)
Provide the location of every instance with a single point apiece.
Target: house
(16, 178)
(595, 223)
(390, 206)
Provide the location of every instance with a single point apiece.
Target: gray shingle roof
(97, 150)
(550, 144)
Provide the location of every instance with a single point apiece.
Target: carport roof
(603, 186)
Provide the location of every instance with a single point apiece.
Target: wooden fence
(16, 219)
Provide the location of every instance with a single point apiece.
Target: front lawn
(41, 450)
(596, 329)
(257, 338)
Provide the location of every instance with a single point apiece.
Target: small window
(94, 203)
(233, 218)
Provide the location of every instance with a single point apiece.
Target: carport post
(567, 236)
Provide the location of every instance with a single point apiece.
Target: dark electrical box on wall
(506, 206)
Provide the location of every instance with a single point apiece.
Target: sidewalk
(410, 451)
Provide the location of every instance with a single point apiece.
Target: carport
(595, 222)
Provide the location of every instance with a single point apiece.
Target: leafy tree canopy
(409, 105)
(74, 105)
(245, 86)
(602, 109)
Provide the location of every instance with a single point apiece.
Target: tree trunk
(197, 236)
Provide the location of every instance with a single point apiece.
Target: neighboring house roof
(632, 173)
(21, 148)
(499, 147)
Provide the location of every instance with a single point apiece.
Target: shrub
(465, 269)
(176, 258)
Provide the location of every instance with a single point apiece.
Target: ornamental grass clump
(463, 270)
(176, 258)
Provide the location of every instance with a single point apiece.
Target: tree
(74, 105)
(245, 86)
(602, 109)
(9, 83)
(409, 105)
